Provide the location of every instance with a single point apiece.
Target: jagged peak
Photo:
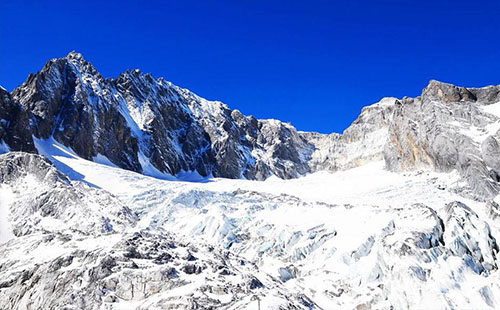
(137, 73)
(72, 57)
(164, 82)
(434, 83)
(444, 85)
(447, 92)
(76, 60)
(75, 55)
(80, 62)
(384, 102)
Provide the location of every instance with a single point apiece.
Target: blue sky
(312, 63)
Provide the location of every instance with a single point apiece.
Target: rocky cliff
(149, 125)
(449, 128)
(15, 133)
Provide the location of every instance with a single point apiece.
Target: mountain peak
(447, 92)
(75, 55)
(434, 83)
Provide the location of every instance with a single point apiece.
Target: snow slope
(5, 229)
(79, 247)
(356, 238)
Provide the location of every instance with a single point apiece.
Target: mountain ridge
(149, 125)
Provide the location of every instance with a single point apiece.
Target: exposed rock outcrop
(448, 128)
(69, 100)
(15, 133)
(149, 125)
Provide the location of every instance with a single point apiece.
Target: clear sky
(312, 63)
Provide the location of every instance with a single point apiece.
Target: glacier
(134, 193)
(364, 237)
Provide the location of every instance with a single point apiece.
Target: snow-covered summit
(146, 124)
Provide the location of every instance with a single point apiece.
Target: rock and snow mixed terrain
(400, 211)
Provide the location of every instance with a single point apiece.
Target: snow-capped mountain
(149, 125)
(399, 211)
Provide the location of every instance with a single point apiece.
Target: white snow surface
(493, 109)
(355, 238)
(6, 200)
(386, 101)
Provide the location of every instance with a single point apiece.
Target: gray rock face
(168, 135)
(145, 124)
(361, 143)
(448, 128)
(69, 100)
(183, 132)
(14, 126)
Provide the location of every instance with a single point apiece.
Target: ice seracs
(364, 236)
